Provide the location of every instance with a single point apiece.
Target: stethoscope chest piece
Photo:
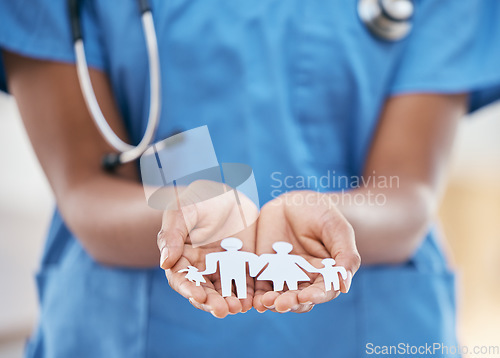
(389, 20)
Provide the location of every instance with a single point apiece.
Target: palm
(316, 231)
(209, 212)
(208, 296)
(300, 225)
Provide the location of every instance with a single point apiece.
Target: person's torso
(292, 88)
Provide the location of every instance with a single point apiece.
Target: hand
(208, 212)
(317, 230)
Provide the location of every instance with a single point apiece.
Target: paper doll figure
(232, 266)
(330, 274)
(193, 275)
(284, 267)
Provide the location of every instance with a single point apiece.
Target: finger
(247, 236)
(233, 304)
(171, 238)
(351, 263)
(217, 304)
(261, 287)
(214, 303)
(287, 301)
(236, 305)
(177, 280)
(247, 303)
(316, 294)
(270, 228)
(205, 297)
(200, 306)
(338, 238)
(269, 298)
(303, 308)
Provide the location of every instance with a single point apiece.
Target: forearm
(108, 214)
(391, 223)
(413, 144)
(111, 218)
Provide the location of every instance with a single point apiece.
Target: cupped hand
(317, 230)
(206, 212)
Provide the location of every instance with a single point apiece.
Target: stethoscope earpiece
(389, 20)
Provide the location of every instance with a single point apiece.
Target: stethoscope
(126, 152)
(389, 20)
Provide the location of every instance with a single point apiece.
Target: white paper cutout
(232, 266)
(330, 274)
(283, 267)
(193, 275)
(280, 268)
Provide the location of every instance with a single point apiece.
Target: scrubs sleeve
(452, 48)
(40, 29)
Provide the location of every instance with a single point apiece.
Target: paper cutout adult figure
(232, 266)
(330, 274)
(283, 267)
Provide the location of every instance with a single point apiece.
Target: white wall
(25, 208)
(477, 149)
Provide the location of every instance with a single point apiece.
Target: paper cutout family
(281, 268)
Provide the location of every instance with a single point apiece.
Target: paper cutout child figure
(284, 267)
(232, 266)
(193, 275)
(330, 274)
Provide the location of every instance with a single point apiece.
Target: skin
(413, 142)
(109, 214)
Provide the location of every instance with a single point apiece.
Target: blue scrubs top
(291, 86)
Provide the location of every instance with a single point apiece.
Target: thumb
(171, 238)
(339, 239)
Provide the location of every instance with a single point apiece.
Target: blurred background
(470, 216)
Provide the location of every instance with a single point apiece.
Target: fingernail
(269, 307)
(213, 314)
(288, 310)
(307, 303)
(163, 255)
(193, 301)
(295, 308)
(348, 281)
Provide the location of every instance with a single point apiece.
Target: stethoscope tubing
(127, 153)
